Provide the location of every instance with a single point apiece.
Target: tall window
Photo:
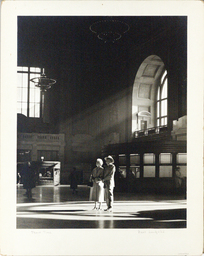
(29, 96)
(162, 100)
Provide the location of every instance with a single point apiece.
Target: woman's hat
(110, 158)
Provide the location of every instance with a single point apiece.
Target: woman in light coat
(97, 191)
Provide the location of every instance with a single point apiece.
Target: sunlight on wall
(134, 118)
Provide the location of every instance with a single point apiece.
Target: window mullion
(21, 95)
(160, 92)
(28, 100)
(41, 101)
(162, 101)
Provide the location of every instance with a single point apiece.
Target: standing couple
(103, 178)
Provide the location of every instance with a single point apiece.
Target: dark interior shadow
(169, 214)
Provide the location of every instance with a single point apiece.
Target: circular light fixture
(43, 82)
(109, 30)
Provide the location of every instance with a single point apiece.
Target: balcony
(40, 138)
(51, 146)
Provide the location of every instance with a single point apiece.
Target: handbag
(90, 184)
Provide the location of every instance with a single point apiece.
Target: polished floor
(55, 207)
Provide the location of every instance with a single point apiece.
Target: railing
(48, 137)
(150, 131)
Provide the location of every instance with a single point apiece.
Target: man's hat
(110, 158)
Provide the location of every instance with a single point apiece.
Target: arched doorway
(150, 95)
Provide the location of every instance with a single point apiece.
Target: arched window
(150, 94)
(162, 100)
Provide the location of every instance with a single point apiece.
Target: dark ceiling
(83, 64)
(42, 39)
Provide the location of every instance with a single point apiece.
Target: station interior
(114, 85)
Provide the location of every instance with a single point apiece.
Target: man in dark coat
(28, 179)
(109, 183)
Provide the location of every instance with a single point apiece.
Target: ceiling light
(43, 82)
(109, 30)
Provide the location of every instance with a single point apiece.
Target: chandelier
(109, 30)
(43, 82)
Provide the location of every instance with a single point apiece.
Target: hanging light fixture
(109, 30)
(43, 82)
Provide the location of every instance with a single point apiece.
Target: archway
(145, 109)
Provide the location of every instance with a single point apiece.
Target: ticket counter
(49, 173)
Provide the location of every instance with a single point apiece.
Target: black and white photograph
(102, 129)
(92, 89)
